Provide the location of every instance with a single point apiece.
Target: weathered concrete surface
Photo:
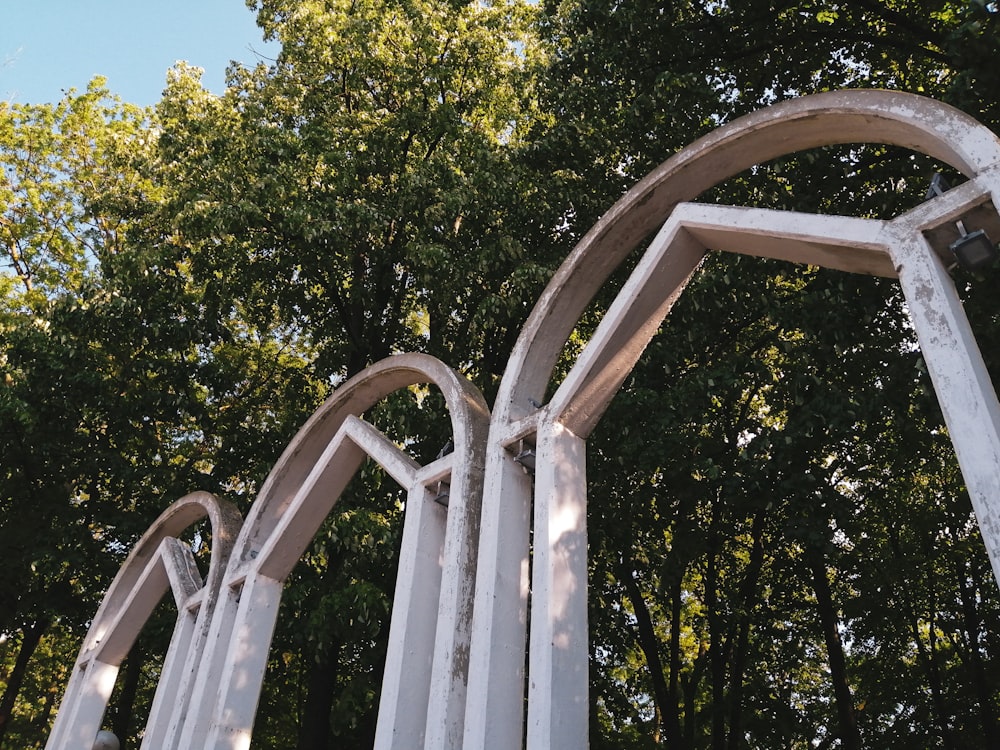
(461, 613)
(897, 248)
(157, 563)
(423, 697)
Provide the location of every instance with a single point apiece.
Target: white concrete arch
(455, 666)
(159, 562)
(838, 117)
(557, 670)
(423, 694)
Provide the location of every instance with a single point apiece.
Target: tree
(121, 392)
(778, 524)
(57, 160)
(354, 185)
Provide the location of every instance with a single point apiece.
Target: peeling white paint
(455, 667)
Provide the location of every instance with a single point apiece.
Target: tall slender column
(494, 715)
(558, 649)
(402, 713)
(960, 378)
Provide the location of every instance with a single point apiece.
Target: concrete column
(960, 379)
(168, 689)
(85, 716)
(494, 715)
(402, 713)
(452, 640)
(558, 656)
(245, 664)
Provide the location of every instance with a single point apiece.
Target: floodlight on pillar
(972, 250)
(939, 186)
(526, 457)
(442, 494)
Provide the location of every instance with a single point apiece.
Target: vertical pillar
(452, 640)
(190, 727)
(558, 649)
(168, 690)
(402, 711)
(494, 715)
(83, 720)
(961, 381)
(201, 668)
(245, 664)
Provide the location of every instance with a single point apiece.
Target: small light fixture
(447, 448)
(939, 186)
(973, 250)
(526, 457)
(442, 494)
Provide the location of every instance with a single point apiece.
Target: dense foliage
(782, 552)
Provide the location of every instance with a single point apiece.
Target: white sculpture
(463, 622)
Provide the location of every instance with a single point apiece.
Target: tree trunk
(664, 703)
(321, 690)
(716, 651)
(973, 631)
(748, 590)
(926, 653)
(691, 697)
(673, 721)
(321, 682)
(31, 636)
(850, 736)
(125, 707)
(929, 655)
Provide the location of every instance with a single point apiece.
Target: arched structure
(423, 691)
(159, 562)
(212, 674)
(459, 622)
(557, 663)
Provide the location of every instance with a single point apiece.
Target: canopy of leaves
(782, 553)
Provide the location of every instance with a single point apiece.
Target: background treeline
(782, 551)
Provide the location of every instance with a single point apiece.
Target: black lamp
(973, 250)
(443, 494)
(526, 457)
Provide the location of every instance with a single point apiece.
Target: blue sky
(48, 46)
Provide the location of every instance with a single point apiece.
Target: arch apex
(831, 118)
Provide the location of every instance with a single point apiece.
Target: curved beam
(424, 688)
(466, 406)
(225, 520)
(557, 699)
(856, 116)
(158, 562)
